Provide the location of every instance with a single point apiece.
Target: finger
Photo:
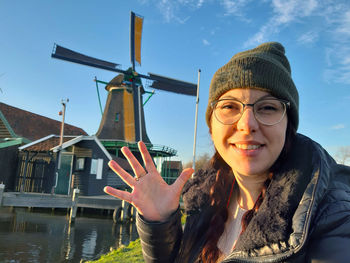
(126, 177)
(182, 179)
(134, 163)
(146, 157)
(118, 193)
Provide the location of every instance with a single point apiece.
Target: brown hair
(223, 181)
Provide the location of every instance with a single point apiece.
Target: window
(117, 116)
(80, 164)
(93, 169)
(97, 168)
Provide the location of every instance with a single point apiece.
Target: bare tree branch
(201, 161)
(343, 154)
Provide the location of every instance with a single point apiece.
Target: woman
(267, 195)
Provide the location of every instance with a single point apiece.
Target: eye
(268, 106)
(228, 105)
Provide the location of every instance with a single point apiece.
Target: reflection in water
(41, 237)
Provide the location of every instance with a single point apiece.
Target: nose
(247, 123)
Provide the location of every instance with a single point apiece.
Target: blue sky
(179, 37)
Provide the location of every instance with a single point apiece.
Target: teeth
(248, 146)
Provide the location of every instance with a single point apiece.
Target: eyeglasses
(267, 111)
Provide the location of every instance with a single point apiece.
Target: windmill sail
(173, 85)
(136, 23)
(72, 56)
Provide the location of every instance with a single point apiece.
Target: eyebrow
(263, 97)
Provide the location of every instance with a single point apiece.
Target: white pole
(64, 103)
(195, 123)
(140, 121)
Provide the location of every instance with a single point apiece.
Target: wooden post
(2, 188)
(74, 207)
(132, 213)
(115, 215)
(25, 172)
(124, 212)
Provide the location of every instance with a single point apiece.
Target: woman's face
(247, 146)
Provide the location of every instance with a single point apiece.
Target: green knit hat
(265, 67)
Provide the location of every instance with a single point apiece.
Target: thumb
(182, 179)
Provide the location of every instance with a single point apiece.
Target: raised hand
(151, 195)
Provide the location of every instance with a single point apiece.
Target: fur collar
(272, 223)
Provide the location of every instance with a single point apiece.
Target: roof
(4, 143)
(34, 126)
(51, 143)
(81, 138)
(45, 144)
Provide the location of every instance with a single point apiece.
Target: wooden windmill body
(118, 120)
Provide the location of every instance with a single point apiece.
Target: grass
(130, 254)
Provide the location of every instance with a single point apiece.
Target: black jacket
(304, 217)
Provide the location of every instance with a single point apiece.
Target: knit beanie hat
(266, 68)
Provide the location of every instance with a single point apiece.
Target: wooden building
(32, 159)
(81, 162)
(19, 127)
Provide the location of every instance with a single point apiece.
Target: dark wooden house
(81, 162)
(32, 159)
(19, 127)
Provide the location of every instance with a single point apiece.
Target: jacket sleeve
(330, 240)
(160, 241)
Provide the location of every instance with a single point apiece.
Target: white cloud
(338, 53)
(344, 24)
(335, 27)
(206, 42)
(338, 127)
(170, 8)
(167, 9)
(308, 37)
(288, 11)
(263, 34)
(284, 13)
(200, 3)
(338, 75)
(213, 31)
(234, 6)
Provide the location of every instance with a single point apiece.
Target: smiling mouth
(248, 146)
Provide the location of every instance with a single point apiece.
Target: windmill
(123, 117)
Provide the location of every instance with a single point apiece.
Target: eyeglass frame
(286, 104)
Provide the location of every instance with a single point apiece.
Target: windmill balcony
(154, 150)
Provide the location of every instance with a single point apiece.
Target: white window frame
(93, 169)
(80, 164)
(99, 169)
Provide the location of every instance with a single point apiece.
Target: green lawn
(130, 254)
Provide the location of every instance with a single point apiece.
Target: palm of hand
(151, 195)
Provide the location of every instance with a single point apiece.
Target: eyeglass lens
(267, 111)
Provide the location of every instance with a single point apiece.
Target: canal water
(46, 237)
